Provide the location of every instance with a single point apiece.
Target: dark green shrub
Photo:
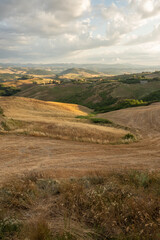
(95, 120)
(129, 136)
(9, 227)
(131, 81)
(100, 121)
(83, 117)
(139, 179)
(5, 126)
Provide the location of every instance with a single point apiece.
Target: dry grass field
(52, 188)
(82, 75)
(41, 135)
(114, 205)
(31, 109)
(145, 119)
(65, 159)
(56, 120)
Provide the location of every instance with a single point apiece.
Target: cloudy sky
(80, 31)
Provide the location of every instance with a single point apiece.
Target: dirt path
(19, 154)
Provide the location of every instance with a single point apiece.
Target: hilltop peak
(78, 71)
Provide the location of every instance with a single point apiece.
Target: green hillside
(100, 96)
(154, 96)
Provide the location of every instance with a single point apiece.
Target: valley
(79, 150)
(85, 115)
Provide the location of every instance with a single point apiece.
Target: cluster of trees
(121, 104)
(131, 81)
(25, 77)
(8, 91)
(139, 79)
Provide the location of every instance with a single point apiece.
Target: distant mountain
(78, 71)
(109, 69)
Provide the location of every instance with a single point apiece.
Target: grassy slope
(56, 120)
(137, 91)
(154, 96)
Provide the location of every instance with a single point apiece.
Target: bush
(100, 121)
(140, 179)
(130, 103)
(95, 120)
(9, 227)
(83, 117)
(19, 194)
(122, 104)
(129, 136)
(5, 126)
(131, 81)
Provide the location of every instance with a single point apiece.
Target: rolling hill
(39, 174)
(145, 119)
(78, 71)
(55, 120)
(100, 96)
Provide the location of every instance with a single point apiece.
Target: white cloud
(146, 8)
(67, 9)
(153, 36)
(61, 29)
(121, 20)
(126, 22)
(50, 17)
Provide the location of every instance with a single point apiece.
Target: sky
(80, 31)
